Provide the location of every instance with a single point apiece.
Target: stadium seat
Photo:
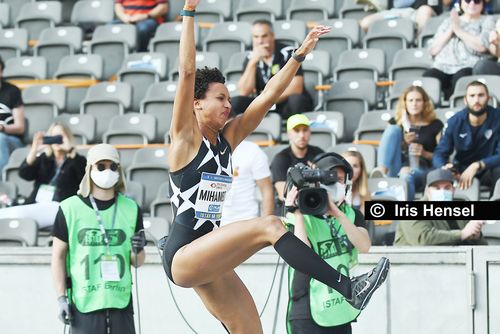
(4, 15)
(491, 232)
(10, 171)
(344, 36)
(496, 192)
(372, 124)
(429, 30)
(432, 87)
(159, 102)
(104, 101)
(155, 228)
(390, 36)
(56, 43)
(141, 70)
(445, 113)
(25, 68)
(20, 230)
(14, 8)
(13, 43)
(166, 40)
(332, 120)
(208, 59)
(228, 38)
(215, 11)
(360, 64)
(352, 98)
(369, 153)
(80, 66)
(113, 43)
(409, 63)
(8, 189)
(272, 150)
(349, 9)
(131, 128)
(251, 10)
(316, 68)
(150, 166)
(42, 103)
(135, 190)
(82, 126)
(388, 187)
(323, 138)
(290, 33)
(470, 194)
(162, 207)
(269, 129)
(90, 13)
(235, 67)
(36, 16)
(492, 81)
(310, 10)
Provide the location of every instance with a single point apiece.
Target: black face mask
(478, 113)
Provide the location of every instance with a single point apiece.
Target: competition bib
(211, 195)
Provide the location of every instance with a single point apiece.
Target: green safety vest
(89, 292)
(328, 307)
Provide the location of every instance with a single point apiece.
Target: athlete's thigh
(228, 299)
(223, 249)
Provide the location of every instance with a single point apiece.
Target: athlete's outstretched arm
(243, 125)
(183, 120)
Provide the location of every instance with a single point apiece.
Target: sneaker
(377, 173)
(364, 286)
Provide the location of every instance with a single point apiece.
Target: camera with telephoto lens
(311, 199)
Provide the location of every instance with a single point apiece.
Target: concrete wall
(429, 290)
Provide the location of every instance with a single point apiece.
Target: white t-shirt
(249, 164)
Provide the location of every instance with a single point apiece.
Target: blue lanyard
(100, 221)
(58, 171)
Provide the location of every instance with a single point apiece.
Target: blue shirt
(458, 136)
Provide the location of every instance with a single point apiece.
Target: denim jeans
(8, 143)
(390, 154)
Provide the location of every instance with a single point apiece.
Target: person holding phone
(412, 135)
(56, 168)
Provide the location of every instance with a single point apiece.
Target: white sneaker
(377, 173)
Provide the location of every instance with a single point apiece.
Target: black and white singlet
(197, 193)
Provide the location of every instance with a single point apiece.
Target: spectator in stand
(145, 14)
(408, 143)
(266, 59)
(460, 42)
(12, 124)
(491, 66)
(57, 171)
(359, 193)
(418, 11)
(474, 134)
(439, 232)
(299, 134)
(250, 171)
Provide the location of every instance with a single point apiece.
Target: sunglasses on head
(102, 166)
(477, 2)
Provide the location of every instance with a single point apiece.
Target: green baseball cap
(296, 120)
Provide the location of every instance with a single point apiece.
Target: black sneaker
(364, 286)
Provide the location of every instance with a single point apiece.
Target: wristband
(185, 12)
(298, 58)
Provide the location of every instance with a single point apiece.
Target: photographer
(337, 236)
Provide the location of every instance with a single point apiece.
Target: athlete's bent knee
(273, 226)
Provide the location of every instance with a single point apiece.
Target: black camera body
(311, 199)
(49, 140)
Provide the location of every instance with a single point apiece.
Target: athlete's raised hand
(191, 3)
(311, 39)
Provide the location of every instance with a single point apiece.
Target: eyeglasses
(102, 166)
(477, 2)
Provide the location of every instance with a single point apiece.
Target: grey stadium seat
(491, 81)
(9, 189)
(228, 38)
(90, 13)
(344, 36)
(372, 124)
(316, 68)
(140, 70)
(470, 194)
(310, 10)
(13, 43)
(268, 129)
(323, 138)
(131, 128)
(368, 152)
(432, 87)
(251, 10)
(20, 230)
(213, 11)
(327, 119)
(445, 113)
(159, 102)
(429, 30)
(350, 9)
(80, 66)
(10, 171)
(290, 32)
(104, 101)
(410, 63)
(135, 190)
(113, 43)
(166, 40)
(4, 15)
(162, 207)
(36, 16)
(360, 64)
(156, 228)
(25, 68)
(235, 68)
(208, 59)
(82, 126)
(272, 150)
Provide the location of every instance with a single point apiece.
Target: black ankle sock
(299, 256)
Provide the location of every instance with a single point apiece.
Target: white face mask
(106, 179)
(336, 191)
(441, 195)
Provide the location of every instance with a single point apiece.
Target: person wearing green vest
(97, 236)
(337, 237)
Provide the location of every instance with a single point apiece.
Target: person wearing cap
(265, 60)
(299, 134)
(474, 134)
(337, 237)
(97, 236)
(439, 187)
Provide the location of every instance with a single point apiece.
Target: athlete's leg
(229, 301)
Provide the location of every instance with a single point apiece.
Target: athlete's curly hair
(204, 77)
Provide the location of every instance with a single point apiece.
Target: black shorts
(179, 236)
(308, 326)
(121, 321)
